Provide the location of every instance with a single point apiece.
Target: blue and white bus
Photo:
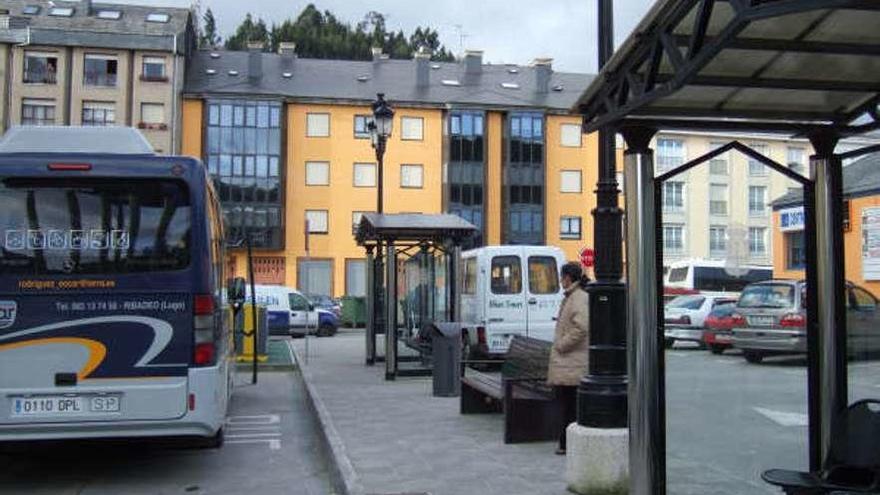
(112, 318)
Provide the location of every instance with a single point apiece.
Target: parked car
(718, 331)
(771, 319)
(324, 301)
(686, 315)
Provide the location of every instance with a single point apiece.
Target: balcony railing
(100, 79)
(40, 77)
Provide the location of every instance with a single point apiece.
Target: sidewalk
(400, 439)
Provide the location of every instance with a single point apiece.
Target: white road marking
(263, 429)
(783, 418)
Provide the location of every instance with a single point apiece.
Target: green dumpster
(354, 311)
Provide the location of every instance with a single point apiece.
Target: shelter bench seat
(531, 412)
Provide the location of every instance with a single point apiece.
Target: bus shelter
(804, 68)
(431, 243)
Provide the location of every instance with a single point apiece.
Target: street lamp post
(380, 130)
(602, 394)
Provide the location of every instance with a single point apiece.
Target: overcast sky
(508, 31)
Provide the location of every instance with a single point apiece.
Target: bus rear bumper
(86, 430)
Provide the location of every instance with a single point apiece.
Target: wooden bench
(531, 412)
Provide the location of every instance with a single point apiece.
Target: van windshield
(93, 226)
(767, 296)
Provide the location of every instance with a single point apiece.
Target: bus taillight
(204, 352)
(70, 167)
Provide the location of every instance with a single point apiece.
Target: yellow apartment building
(286, 140)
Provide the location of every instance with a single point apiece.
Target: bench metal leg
(475, 402)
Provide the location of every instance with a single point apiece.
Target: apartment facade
(286, 140)
(96, 64)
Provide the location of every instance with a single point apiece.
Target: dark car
(323, 301)
(718, 332)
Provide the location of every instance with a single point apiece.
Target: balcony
(40, 77)
(99, 79)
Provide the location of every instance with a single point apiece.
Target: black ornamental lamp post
(602, 393)
(380, 130)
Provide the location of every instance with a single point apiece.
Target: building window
(466, 172)
(40, 67)
(100, 70)
(570, 135)
(364, 175)
(315, 277)
(524, 179)
(717, 240)
(673, 238)
(355, 278)
(670, 153)
(757, 241)
(318, 221)
(243, 154)
(756, 168)
(570, 181)
(847, 214)
(570, 228)
(154, 69)
(673, 196)
(37, 112)
(95, 113)
(795, 159)
(719, 164)
(796, 252)
(317, 173)
(318, 125)
(362, 126)
(718, 199)
(412, 176)
(153, 116)
(757, 201)
(412, 128)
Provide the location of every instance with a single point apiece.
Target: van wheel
(753, 357)
(214, 442)
(716, 349)
(668, 343)
(326, 331)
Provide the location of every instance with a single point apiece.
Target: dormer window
(158, 17)
(61, 11)
(31, 10)
(450, 82)
(508, 85)
(112, 15)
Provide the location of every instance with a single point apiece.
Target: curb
(344, 478)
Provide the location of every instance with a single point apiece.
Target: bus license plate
(64, 406)
(47, 406)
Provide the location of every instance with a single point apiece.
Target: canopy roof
(412, 228)
(759, 65)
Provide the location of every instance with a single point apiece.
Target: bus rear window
(678, 274)
(93, 226)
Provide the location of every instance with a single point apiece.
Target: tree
(249, 31)
(209, 37)
(320, 34)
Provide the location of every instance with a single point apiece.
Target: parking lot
(271, 447)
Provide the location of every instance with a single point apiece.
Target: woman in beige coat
(568, 358)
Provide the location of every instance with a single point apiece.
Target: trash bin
(446, 353)
(354, 311)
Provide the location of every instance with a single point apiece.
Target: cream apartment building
(96, 64)
(722, 209)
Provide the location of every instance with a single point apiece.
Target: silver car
(770, 319)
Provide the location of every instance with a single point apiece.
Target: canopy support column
(391, 312)
(830, 287)
(646, 414)
(370, 331)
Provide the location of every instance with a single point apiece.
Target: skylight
(435, 66)
(287, 75)
(233, 73)
(513, 70)
(157, 17)
(109, 14)
(31, 10)
(211, 72)
(450, 82)
(510, 85)
(215, 55)
(558, 87)
(61, 11)
(363, 78)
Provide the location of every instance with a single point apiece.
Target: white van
(291, 313)
(507, 291)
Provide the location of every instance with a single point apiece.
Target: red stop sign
(588, 257)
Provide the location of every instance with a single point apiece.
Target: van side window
(470, 276)
(298, 303)
(506, 275)
(543, 275)
(863, 300)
